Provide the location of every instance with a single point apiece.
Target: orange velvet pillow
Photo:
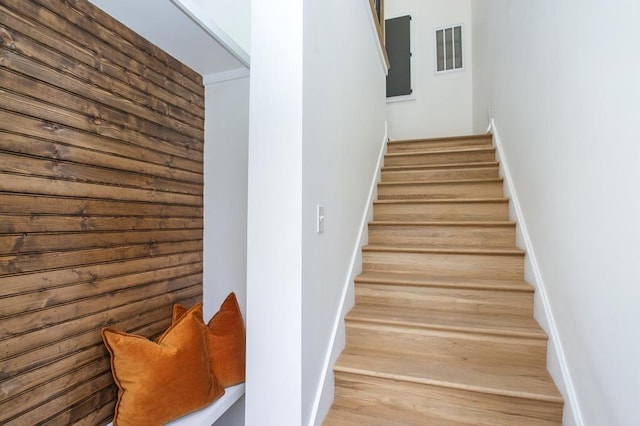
(159, 382)
(225, 341)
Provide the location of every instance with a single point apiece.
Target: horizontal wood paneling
(101, 182)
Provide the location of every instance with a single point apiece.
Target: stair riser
(433, 191)
(446, 346)
(419, 404)
(493, 302)
(441, 211)
(423, 159)
(439, 174)
(483, 266)
(442, 235)
(427, 145)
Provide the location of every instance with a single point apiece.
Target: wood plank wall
(101, 161)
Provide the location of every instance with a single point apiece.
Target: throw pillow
(161, 381)
(226, 344)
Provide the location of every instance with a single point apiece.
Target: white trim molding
(334, 349)
(374, 29)
(557, 354)
(219, 77)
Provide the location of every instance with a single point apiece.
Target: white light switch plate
(320, 219)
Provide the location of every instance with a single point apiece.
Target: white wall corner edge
(556, 353)
(219, 77)
(334, 348)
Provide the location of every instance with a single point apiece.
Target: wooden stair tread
(480, 136)
(441, 182)
(479, 164)
(348, 412)
(503, 325)
(444, 250)
(500, 378)
(441, 201)
(418, 279)
(456, 150)
(462, 223)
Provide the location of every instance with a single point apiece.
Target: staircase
(442, 331)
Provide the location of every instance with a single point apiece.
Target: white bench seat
(209, 414)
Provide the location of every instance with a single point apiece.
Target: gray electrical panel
(398, 44)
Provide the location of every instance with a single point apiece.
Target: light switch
(320, 219)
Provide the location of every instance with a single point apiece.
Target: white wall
(561, 80)
(344, 126)
(441, 105)
(317, 119)
(274, 228)
(225, 192)
(225, 201)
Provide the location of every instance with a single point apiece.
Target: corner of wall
(543, 313)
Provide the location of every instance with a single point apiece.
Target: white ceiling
(168, 27)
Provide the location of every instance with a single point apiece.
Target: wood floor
(442, 331)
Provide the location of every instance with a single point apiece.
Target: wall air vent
(448, 48)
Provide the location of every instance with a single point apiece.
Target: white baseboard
(556, 353)
(334, 349)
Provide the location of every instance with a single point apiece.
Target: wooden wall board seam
(31, 204)
(46, 186)
(34, 262)
(10, 285)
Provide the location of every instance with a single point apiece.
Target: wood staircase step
(409, 145)
(444, 156)
(348, 411)
(459, 233)
(445, 345)
(456, 300)
(502, 377)
(472, 209)
(486, 170)
(422, 292)
(468, 322)
(485, 263)
(476, 188)
(447, 282)
(382, 401)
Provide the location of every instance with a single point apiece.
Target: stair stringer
(556, 359)
(326, 386)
